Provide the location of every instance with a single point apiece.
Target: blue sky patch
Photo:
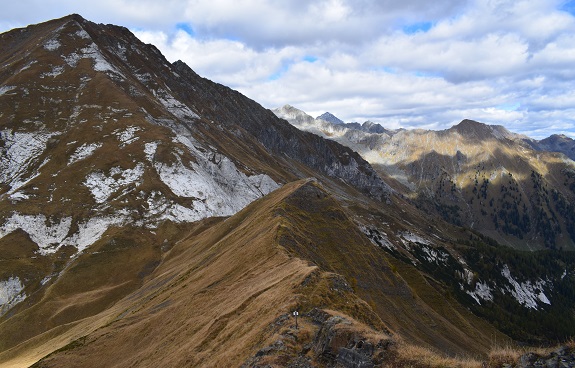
(277, 75)
(511, 106)
(186, 28)
(423, 74)
(417, 27)
(310, 59)
(569, 7)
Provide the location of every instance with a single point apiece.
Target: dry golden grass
(403, 354)
(504, 355)
(509, 354)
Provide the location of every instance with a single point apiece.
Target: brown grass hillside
(223, 293)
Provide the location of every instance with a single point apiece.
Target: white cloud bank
(408, 63)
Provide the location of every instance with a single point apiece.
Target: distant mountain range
(510, 187)
(151, 217)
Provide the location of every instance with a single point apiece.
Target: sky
(401, 63)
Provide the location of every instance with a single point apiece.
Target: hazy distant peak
(472, 128)
(371, 127)
(558, 143)
(294, 115)
(329, 117)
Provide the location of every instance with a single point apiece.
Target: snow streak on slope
(18, 152)
(526, 293)
(92, 230)
(83, 151)
(177, 108)
(10, 294)
(48, 234)
(482, 292)
(103, 186)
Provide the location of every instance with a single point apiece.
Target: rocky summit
(151, 217)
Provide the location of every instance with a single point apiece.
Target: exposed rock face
(337, 346)
(563, 357)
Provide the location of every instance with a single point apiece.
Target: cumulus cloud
(407, 63)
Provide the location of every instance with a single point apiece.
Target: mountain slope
(109, 151)
(187, 314)
(99, 131)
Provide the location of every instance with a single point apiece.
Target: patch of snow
(46, 234)
(564, 274)
(11, 293)
(92, 230)
(72, 59)
(263, 183)
(175, 107)
(179, 213)
(526, 293)
(159, 208)
(433, 255)
(150, 150)
(83, 151)
(414, 238)
(56, 71)
(482, 292)
(378, 238)
(52, 45)
(5, 89)
(127, 136)
(92, 52)
(47, 279)
(144, 78)
(214, 183)
(83, 34)
(467, 276)
(103, 186)
(121, 51)
(27, 66)
(18, 152)
(18, 196)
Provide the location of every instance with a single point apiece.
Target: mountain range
(514, 189)
(152, 217)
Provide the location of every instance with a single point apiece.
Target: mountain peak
(327, 116)
(293, 114)
(558, 143)
(475, 129)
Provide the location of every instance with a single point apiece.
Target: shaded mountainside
(558, 143)
(168, 220)
(474, 175)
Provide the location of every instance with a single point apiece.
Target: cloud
(407, 63)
